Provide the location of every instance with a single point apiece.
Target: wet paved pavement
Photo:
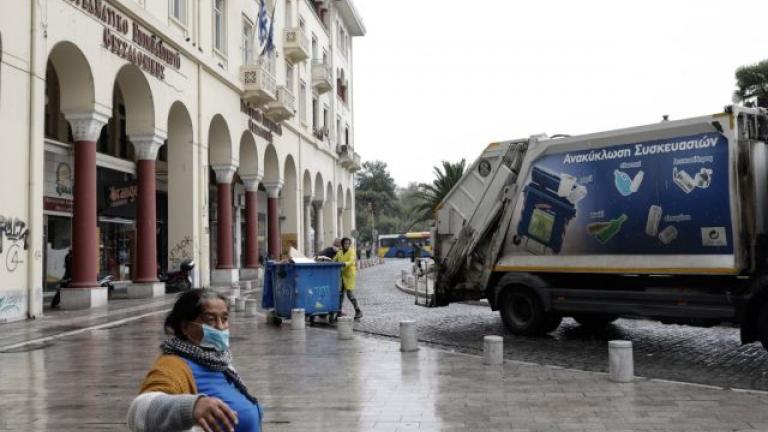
(711, 356)
(310, 381)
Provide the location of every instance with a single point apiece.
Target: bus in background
(401, 245)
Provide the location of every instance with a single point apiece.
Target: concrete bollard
(344, 328)
(240, 305)
(297, 319)
(235, 291)
(231, 300)
(621, 367)
(493, 350)
(408, 341)
(403, 275)
(251, 307)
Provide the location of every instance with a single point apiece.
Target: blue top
(215, 384)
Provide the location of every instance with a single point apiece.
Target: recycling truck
(667, 221)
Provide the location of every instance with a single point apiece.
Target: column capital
(318, 203)
(273, 188)
(86, 126)
(224, 173)
(146, 146)
(251, 182)
(308, 200)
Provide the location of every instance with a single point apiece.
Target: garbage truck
(667, 221)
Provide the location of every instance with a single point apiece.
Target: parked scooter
(104, 282)
(179, 280)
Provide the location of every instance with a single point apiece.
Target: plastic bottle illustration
(605, 231)
(625, 184)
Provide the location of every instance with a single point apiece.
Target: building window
(325, 118)
(338, 130)
(219, 26)
(247, 42)
(289, 77)
(302, 23)
(346, 136)
(178, 11)
(288, 14)
(314, 47)
(315, 113)
(302, 101)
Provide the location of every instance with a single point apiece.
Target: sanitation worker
(347, 256)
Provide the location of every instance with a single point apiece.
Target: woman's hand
(213, 415)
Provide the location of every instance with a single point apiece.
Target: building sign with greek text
(258, 123)
(130, 41)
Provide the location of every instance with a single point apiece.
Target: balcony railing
(296, 45)
(284, 107)
(357, 163)
(322, 81)
(345, 155)
(259, 85)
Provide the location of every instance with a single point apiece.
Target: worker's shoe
(358, 314)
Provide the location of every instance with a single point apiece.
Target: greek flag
(269, 45)
(262, 22)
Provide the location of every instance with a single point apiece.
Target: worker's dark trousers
(350, 296)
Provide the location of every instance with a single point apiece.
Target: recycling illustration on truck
(667, 221)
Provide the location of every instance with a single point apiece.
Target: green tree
(752, 83)
(376, 200)
(430, 195)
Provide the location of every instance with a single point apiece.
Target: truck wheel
(762, 325)
(523, 314)
(594, 321)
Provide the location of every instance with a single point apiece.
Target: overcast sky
(440, 79)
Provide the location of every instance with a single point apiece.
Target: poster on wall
(667, 197)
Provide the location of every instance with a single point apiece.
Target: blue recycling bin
(314, 287)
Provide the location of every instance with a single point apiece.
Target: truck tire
(595, 321)
(523, 314)
(762, 325)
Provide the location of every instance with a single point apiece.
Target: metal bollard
(403, 275)
(493, 350)
(344, 328)
(621, 367)
(240, 305)
(251, 307)
(408, 341)
(297, 319)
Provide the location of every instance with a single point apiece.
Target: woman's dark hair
(187, 308)
(346, 239)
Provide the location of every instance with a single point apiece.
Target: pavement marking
(82, 330)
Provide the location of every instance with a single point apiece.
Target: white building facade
(142, 133)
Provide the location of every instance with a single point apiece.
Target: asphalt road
(712, 356)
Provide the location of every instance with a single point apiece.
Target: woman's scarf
(219, 361)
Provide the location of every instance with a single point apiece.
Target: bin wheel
(274, 319)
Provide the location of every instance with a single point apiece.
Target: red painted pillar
(251, 221)
(273, 219)
(85, 247)
(146, 212)
(225, 252)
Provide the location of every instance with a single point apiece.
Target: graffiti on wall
(10, 306)
(183, 250)
(13, 241)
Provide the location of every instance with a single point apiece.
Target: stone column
(145, 283)
(339, 225)
(308, 226)
(84, 291)
(251, 270)
(319, 226)
(226, 273)
(273, 218)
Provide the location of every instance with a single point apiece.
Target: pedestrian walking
(347, 256)
(193, 382)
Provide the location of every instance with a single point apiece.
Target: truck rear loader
(667, 221)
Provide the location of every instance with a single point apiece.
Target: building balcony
(283, 107)
(296, 45)
(259, 84)
(346, 156)
(357, 163)
(322, 79)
